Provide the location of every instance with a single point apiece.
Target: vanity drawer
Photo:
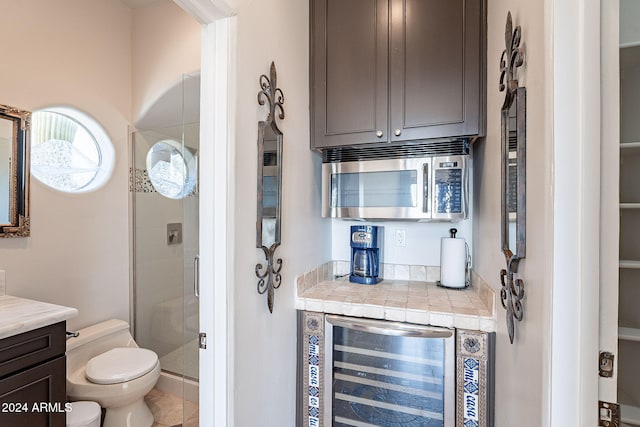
(30, 348)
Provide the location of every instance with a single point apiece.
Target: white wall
(166, 44)
(265, 344)
(422, 240)
(77, 54)
(521, 368)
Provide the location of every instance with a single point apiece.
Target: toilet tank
(96, 339)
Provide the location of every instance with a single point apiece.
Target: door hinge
(606, 364)
(608, 414)
(202, 341)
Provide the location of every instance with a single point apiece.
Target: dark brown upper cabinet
(395, 71)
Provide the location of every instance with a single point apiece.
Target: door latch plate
(606, 364)
(202, 341)
(608, 414)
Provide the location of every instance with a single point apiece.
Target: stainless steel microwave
(422, 189)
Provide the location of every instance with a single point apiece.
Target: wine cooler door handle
(389, 328)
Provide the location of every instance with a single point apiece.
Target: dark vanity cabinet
(390, 71)
(33, 378)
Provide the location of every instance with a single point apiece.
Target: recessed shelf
(625, 263)
(628, 334)
(624, 145)
(629, 205)
(630, 414)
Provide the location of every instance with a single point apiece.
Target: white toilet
(105, 365)
(84, 414)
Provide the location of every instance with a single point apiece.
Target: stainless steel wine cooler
(356, 372)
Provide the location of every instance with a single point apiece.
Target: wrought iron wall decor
(269, 186)
(513, 174)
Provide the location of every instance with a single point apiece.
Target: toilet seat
(121, 364)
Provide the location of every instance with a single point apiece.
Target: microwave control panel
(450, 187)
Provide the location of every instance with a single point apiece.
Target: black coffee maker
(365, 254)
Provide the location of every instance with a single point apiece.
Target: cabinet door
(349, 77)
(436, 72)
(35, 397)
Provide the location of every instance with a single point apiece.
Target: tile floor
(168, 410)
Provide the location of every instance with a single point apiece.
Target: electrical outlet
(401, 237)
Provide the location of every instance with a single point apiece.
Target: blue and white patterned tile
(471, 377)
(314, 391)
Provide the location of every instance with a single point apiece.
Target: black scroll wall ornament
(269, 194)
(513, 171)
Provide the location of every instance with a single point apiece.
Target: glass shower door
(165, 225)
(190, 211)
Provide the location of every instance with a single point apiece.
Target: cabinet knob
(379, 134)
(398, 132)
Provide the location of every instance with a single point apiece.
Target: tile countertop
(18, 315)
(412, 301)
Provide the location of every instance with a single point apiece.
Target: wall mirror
(15, 125)
(269, 191)
(513, 173)
(269, 177)
(514, 183)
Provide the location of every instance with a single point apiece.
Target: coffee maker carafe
(365, 254)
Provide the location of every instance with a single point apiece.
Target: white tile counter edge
(421, 317)
(18, 315)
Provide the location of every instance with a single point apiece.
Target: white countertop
(18, 315)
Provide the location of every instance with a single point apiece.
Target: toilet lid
(120, 364)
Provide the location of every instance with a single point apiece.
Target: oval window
(69, 151)
(172, 170)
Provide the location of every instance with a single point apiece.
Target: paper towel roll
(453, 262)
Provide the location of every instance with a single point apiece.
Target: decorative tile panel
(474, 378)
(139, 181)
(312, 369)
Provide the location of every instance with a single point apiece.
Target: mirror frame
(269, 277)
(512, 290)
(19, 225)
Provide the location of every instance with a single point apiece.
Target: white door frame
(573, 390)
(216, 207)
(610, 198)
